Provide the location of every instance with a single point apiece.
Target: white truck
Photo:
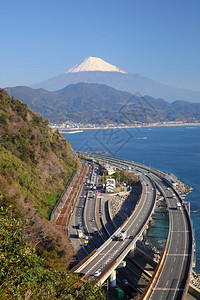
(80, 234)
(122, 236)
(178, 206)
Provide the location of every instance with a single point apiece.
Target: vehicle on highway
(86, 243)
(80, 233)
(173, 279)
(122, 236)
(97, 273)
(122, 264)
(178, 205)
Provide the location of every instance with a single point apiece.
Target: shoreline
(153, 125)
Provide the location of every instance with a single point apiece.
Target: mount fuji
(96, 70)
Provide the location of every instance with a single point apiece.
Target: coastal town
(69, 126)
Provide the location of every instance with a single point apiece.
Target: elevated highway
(108, 256)
(171, 278)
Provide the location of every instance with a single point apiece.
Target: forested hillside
(104, 104)
(35, 165)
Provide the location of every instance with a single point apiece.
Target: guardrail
(104, 157)
(152, 282)
(128, 247)
(76, 267)
(113, 265)
(192, 254)
(191, 241)
(61, 197)
(70, 200)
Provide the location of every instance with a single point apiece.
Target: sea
(172, 149)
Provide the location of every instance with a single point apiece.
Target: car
(97, 273)
(131, 237)
(125, 281)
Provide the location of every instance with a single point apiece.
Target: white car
(97, 273)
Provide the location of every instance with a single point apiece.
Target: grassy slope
(37, 160)
(35, 165)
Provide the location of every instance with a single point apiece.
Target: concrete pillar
(113, 279)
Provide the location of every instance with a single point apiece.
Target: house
(110, 185)
(110, 169)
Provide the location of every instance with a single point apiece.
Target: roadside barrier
(69, 200)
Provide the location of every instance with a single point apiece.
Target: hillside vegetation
(104, 104)
(36, 163)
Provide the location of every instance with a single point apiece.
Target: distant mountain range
(101, 104)
(96, 70)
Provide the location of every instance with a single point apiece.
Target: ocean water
(158, 228)
(170, 149)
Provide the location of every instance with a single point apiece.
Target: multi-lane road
(83, 217)
(112, 251)
(174, 274)
(172, 277)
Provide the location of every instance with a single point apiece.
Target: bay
(170, 149)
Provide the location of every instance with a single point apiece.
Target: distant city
(71, 126)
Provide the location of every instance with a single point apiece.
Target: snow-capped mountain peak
(94, 64)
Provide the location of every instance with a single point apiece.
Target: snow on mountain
(94, 64)
(96, 70)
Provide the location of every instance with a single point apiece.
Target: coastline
(80, 129)
(187, 145)
(69, 131)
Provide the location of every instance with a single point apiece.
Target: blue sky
(158, 39)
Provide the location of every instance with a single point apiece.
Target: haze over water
(170, 149)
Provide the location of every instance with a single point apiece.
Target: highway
(172, 276)
(83, 217)
(171, 281)
(112, 249)
(89, 219)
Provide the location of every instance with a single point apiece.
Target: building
(110, 169)
(110, 185)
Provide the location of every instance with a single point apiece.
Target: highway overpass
(171, 278)
(108, 256)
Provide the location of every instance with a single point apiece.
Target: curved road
(175, 271)
(112, 248)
